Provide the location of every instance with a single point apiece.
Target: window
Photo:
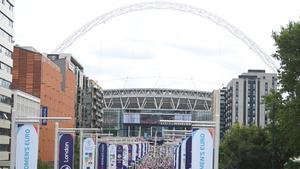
(5, 99)
(6, 20)
(5, 83)
(5, 67)
(6, 36)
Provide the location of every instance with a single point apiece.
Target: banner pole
(56, 146)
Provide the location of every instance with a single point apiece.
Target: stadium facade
(137, 112)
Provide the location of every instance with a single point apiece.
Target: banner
(27, 147)
(66, 151)
(138, 152)
(202, 152)
(129, 154)
(112, 157)
(44, 114)
(142, 150)
(134, 154)
(183, 154)
(119, 157)
(88, 153)
(125, 156)
(188, 154)
(102, 156)
(177, 158)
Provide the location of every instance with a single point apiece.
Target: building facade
(6, 63)
(244, 99)
(93, 104)
(78, 71)
(137, 112)
(53, 83)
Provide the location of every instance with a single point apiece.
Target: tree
(284, 105)
(245, 148)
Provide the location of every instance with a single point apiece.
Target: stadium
(138, 111)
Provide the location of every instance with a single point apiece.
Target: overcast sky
(156, 48)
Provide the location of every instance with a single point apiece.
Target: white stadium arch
(171, 6)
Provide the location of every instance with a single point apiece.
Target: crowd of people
(161, 158)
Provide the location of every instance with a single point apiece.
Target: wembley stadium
(137, 112)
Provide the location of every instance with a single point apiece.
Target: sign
(131, 118)
(66, 151)
(119, 156)
(112, 157)
(125, 156)
(88, 153)
(102, 156)
(202, 152)
(26, 147)
(188, 154)
(44, 114)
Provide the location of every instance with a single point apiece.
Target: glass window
(5, 67)
(5, 83)
(5, 99)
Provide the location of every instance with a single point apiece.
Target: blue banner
(129, 154)
(66, 151)
(188, 149)
(119, 161)
(44, 114)
(102, 156)
(137, 152)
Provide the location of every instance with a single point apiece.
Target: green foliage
(43, 165)
(245, 148)
(285, 111)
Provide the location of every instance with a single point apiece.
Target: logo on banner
(66, 151)
(26, 147)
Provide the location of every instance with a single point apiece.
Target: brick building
(37, 75)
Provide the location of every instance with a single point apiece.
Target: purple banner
(66, 151)
(102, 156)
(137, 152)
(179, 156)
(129, 154)
(119, 161)
(188, 154)
(142, 150)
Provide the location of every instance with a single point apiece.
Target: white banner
(88, 155)
(112, 156)
(183, 154)
(27, 147)
(125, 156)
(202, 149)
(134, 152)
(177, 158)
(140, 150)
